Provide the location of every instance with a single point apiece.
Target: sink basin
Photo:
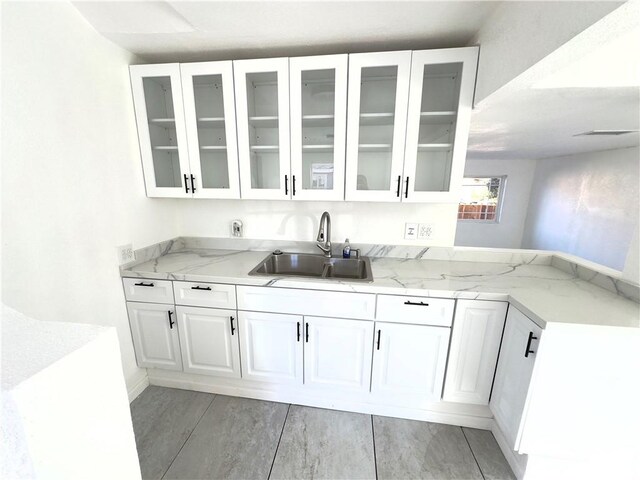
(314, 266)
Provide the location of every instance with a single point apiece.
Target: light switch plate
(125, 254)
(410, 231)
(425, 231)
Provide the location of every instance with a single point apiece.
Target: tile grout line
(189, 436)
(275, 454)
(472, 452)
(375, 458)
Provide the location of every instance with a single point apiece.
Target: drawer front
(307, 302)
(214, 295)
(416, 310)
(145, 290)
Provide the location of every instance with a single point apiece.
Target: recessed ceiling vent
(604, 132)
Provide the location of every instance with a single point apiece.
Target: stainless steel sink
(314, 266)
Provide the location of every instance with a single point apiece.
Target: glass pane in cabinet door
(438, 113)
(162, 131)
(375, 143)
(318, 104)
(262, 106)
(212, 139)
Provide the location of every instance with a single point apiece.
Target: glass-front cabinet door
(440, 103)
(262, 109)
(161, 129)
(318, 96)
(210, 117)
(377, 114)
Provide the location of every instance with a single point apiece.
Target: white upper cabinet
(157, 96)
(210, 116)
(440, 103)
(318, 98)
(378, 95)
(262, 108)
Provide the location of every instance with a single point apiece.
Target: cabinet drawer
(213, 295)
(418, 310)
(307, 302)
(145, 290)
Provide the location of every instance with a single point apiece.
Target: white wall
(363, 222)
(508, 232)
(72, 186)
(506, 36)
(586, 205)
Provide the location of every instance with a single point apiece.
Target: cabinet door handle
(293, 185)
(378, 343)
(406, 188)
(186, 183)
(286, 185)
(528, 350)
(399, 183)
(298, 331)
(171, 322)
(307, 334)
(198, 287)
(193, 184)
(418, 304)
(233, 329)
(142, 284)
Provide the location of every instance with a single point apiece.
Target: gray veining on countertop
(546, 293)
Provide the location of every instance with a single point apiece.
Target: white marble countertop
(546, 294)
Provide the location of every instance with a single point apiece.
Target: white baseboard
(138, 388)
(517, 462)
(461, 415)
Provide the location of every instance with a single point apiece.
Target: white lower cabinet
(475, 342)
(409, 362)
(209, 341)
(271, 347)
(155, 335)
(513, 375)
(337, 353)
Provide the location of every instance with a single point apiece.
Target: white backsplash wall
(72, 187)
(364, 222)
(587, 205)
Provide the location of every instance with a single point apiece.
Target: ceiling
(590, 83)
(213, 30)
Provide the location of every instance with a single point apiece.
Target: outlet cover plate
(425, 231)
(410, 231)
(125, 254)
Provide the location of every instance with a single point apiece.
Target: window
(481, 198)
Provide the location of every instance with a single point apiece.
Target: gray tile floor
(191, 435)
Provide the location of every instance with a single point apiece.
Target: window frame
(499, 204)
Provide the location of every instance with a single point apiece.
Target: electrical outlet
(125, 254)
(410, 231)
(425, 231)
(236, 228)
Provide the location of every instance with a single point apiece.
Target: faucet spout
(324, 234)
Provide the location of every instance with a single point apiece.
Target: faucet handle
(357, 251)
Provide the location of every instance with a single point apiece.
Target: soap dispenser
(346, 251)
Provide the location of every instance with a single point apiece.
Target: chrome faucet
(324, 235)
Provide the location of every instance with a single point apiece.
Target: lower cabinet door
(271, 347)
(475, 342)
(209, 341)
(513, 374)
(155, 335)
(409, 363)
(337, 353)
